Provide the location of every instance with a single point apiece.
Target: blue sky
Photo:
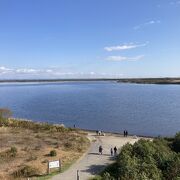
(89, 38)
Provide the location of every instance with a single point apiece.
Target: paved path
(92, 163)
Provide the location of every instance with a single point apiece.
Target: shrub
(106, 176)
(13, 151)
(3, 122)
(4, 115)
(9, 153)
(53, 153)
(172, 168)
(26, 171)
(68, 145)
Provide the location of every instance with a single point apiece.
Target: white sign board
(54, 164)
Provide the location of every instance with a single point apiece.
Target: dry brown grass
(33, 148)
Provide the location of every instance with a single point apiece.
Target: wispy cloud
(4, 70)
(31, 71)
(23, 73)
(175, 2)
(124, 58)
(148, 23)
(123, 47)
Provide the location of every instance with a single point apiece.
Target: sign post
(54, 164)
(48, 169)
(77, 174)
(60, 165)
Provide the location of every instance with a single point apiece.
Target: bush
(106, 176)
(9, 153)
(4, 115)
(53, 153)
(13, 151)
(3, 122)
(26, 171)
(172, 168)
(68, 145)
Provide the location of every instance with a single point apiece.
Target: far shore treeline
(165, 80)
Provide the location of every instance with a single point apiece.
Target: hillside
(27, 146)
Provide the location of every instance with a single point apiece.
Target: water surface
(141, 109)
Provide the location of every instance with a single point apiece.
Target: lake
(109, 106)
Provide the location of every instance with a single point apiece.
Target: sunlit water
(141, 109)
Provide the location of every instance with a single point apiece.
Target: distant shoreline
(151, 80)
(162, 81)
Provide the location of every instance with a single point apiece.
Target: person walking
(97, 132)
(111, 152)
(115, 151)
(124, 133)
(100, 150)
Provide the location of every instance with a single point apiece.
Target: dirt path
(92, 163)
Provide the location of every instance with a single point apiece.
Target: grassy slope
(34, 141)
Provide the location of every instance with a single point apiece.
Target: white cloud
(148, 23)
(124, 58)
(92, 73)
(26, 71)
(123, 47)
(23, 73)
(152, 22)
(4, 70)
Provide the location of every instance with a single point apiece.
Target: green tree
(172, 168)
(176, 143)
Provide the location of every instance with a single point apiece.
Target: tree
(4, 115)
(176, 143)
(172, 169)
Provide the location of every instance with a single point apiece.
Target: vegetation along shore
(157, 159)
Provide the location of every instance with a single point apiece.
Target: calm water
(110, 106)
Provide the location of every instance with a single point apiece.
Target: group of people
(112, 151)
(115, 151)
(125, 133)
(100, 133)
